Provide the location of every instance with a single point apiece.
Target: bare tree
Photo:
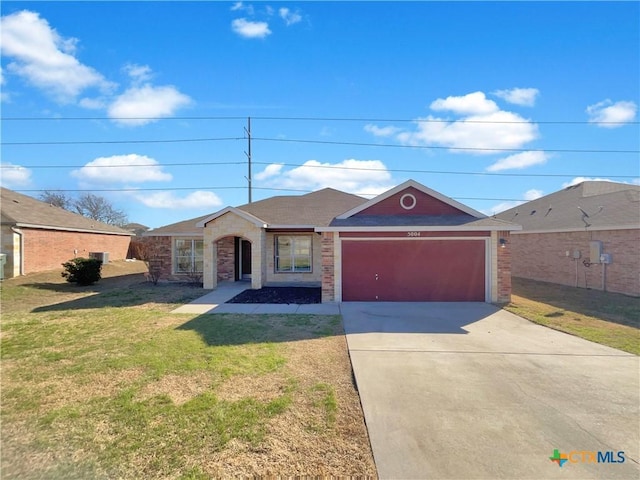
(57, 199)
(99, 208)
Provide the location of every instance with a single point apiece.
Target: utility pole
(248, 154)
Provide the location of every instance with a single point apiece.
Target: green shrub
(83, 271)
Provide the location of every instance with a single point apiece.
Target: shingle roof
(315, 208)
(605, 205)
(21, 210)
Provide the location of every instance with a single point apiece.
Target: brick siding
(542, 256)
(328, 268)
(226, 259)
(48, 249)
(504, 268)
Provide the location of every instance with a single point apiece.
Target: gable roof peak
(418, 186)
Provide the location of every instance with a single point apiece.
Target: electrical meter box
(605, 258)
(595, 250)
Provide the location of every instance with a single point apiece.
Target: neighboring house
(37, 236)
(408, 244)
(586, 235)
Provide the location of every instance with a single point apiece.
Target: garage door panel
(413, 270)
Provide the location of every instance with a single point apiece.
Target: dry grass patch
(105, 383)
(179, 388)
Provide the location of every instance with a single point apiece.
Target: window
(293, 253)
(188, 255)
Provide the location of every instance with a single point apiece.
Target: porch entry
(242, 259)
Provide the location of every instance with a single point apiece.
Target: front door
(245, 260)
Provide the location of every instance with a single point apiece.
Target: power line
(335, 167)
(431, 147)
(185, 164)
(322, 142)
(101, 142)
(444, 172)
(325, 119)
(115, 190)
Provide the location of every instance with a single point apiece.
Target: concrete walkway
(469, 391)
(214, 302)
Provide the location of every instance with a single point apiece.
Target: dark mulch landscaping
(296, 295)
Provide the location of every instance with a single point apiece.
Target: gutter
(21, 234)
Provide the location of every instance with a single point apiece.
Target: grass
(104, 382)
(607, 318)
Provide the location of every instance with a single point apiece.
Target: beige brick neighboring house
(408, 244)
(586, 235)
(37, 236)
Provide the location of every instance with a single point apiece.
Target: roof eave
(70, 229)
(431, 228)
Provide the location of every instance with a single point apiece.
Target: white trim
(291, 227)
(412, 197)
(149, 233)
(67, 229)
(413, 228)
(241, 213)
(368, 239)
(417, 186)
(572, 230)
(488, 259)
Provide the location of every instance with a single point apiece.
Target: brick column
(504, 268)
(328, 275)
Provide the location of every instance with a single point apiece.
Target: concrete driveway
(466, 391)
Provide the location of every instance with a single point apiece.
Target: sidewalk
(214, 302)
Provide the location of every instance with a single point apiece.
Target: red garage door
(413, 270)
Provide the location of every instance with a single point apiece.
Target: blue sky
(146, 103)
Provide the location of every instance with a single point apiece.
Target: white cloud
(388, 131)
(364, 177)
(270, 171)
(250, 29)
(169, 200)
(130, 168)
(236, 6)
(14, 175)
(529, 195)
(140, 105)
(471, 104)
(45, 59)
(519, 161)
(289, 17)
(483, 128)
(605, 112)
(577, 180)
(138, 73)
(519, 96)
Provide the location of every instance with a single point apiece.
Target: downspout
(21, 234)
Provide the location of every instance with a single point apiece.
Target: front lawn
(611, 319)
(104, 382)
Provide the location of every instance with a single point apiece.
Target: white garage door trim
(488, 258)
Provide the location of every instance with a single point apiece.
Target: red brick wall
(542, 256)
(49, 249)
(328, 268)
(504, 267)
(159, 248)
(226, 259)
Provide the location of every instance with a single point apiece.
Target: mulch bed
(295, 295)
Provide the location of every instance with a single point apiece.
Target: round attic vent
(407, 201)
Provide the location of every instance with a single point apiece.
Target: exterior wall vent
(102, 256)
